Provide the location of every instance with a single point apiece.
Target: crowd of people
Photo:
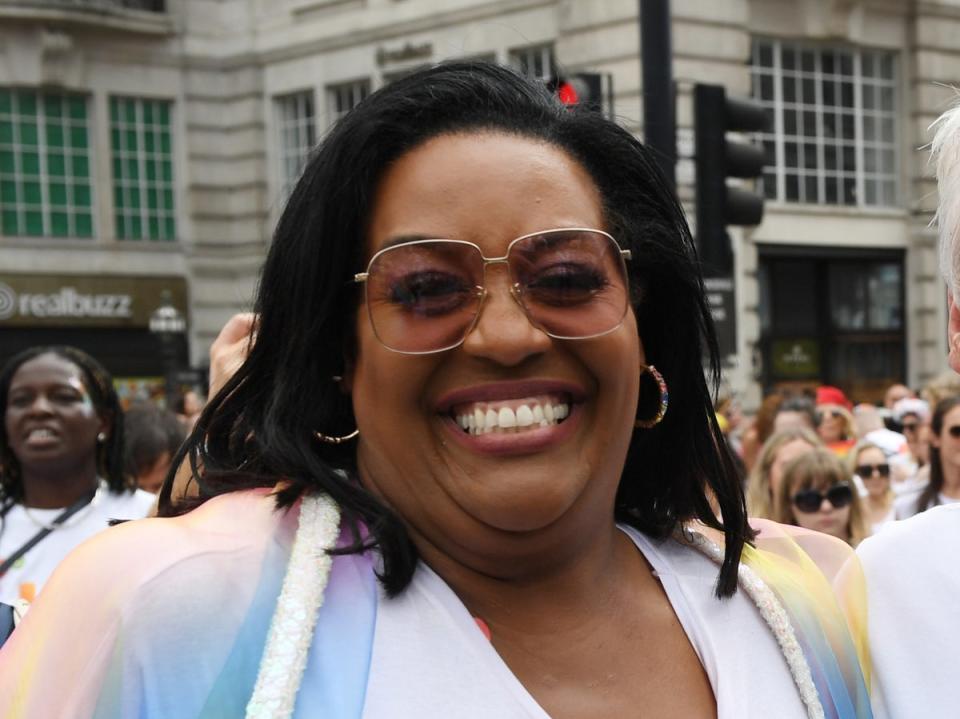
(819, 461)
(463, 460)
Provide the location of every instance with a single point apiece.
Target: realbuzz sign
(67, 302)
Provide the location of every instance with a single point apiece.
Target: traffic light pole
(659, 101)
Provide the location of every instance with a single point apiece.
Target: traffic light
(584, 88)
(718, 158)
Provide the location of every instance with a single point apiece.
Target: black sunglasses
(835, 413)
(809, 501)
(865, 471)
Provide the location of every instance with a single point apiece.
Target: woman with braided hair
(61, 463)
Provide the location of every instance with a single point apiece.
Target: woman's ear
(346, 379)
(106, 423)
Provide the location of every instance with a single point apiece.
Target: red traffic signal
(584, 89)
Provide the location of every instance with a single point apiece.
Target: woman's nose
(503, 332)
(40, 405)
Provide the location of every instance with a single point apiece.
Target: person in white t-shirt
(61, 475)
(911, 569)
(453, 383)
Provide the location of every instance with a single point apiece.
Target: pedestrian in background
(816, 493)
(763, 483)
(61, 464)
(152, 435)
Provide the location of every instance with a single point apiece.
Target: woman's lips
(512, 417)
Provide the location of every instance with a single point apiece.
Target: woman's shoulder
(125, 557)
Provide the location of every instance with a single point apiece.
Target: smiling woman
(61, 477)
(448, 479)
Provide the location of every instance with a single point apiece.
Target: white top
(20, 525)
(913, 610)
(905, 504)
(431, 661)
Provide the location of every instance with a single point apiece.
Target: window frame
(43, 177)
(303, 122)
(876, 188)
(159, 186)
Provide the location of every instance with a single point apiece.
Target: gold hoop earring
(336, 440)
(664, 399)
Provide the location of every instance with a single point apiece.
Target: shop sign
(796, 358)
(89, 301)
(407, 52)
(722, 300)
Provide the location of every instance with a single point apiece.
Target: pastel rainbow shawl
(169, 617)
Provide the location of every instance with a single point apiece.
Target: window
(535, 62)
(833, 119)
(141, 147)
(832, 316)
(297, 135)
(344, 97)
(45, 186)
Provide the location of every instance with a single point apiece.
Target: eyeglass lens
(865, 471)
(810, 500)
(425, 296)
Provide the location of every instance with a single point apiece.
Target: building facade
(146, 149)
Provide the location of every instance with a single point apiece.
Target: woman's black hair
(259, 428)
(930, 496)
(99, 384)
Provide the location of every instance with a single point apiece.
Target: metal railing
(157, 6)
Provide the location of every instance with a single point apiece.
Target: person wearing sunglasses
(913, 416)
(836, 427)
(448, 478)
(816, 493)
(764, 481)
(943, 486)
(870, 464)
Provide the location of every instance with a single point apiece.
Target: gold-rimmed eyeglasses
(426, 295)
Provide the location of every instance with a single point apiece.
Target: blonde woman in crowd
(765, 478)
(836, 428)
(868, 462)
(816, 493)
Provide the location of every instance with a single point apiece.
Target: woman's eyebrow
(404, 239)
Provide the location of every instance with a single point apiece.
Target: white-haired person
(913, 577)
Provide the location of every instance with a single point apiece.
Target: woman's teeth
(512, 419)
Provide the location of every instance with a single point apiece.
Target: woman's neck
(951, 480)
(55, 490)
(550, 594)
(878, 506)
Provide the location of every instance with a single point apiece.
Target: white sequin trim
(291, 629)
(776, 618)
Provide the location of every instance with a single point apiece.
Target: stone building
(146, 148)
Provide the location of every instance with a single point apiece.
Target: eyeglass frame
(882, 469)
(622, 254)
(824, 496)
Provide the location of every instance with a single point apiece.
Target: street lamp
(167, 324)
